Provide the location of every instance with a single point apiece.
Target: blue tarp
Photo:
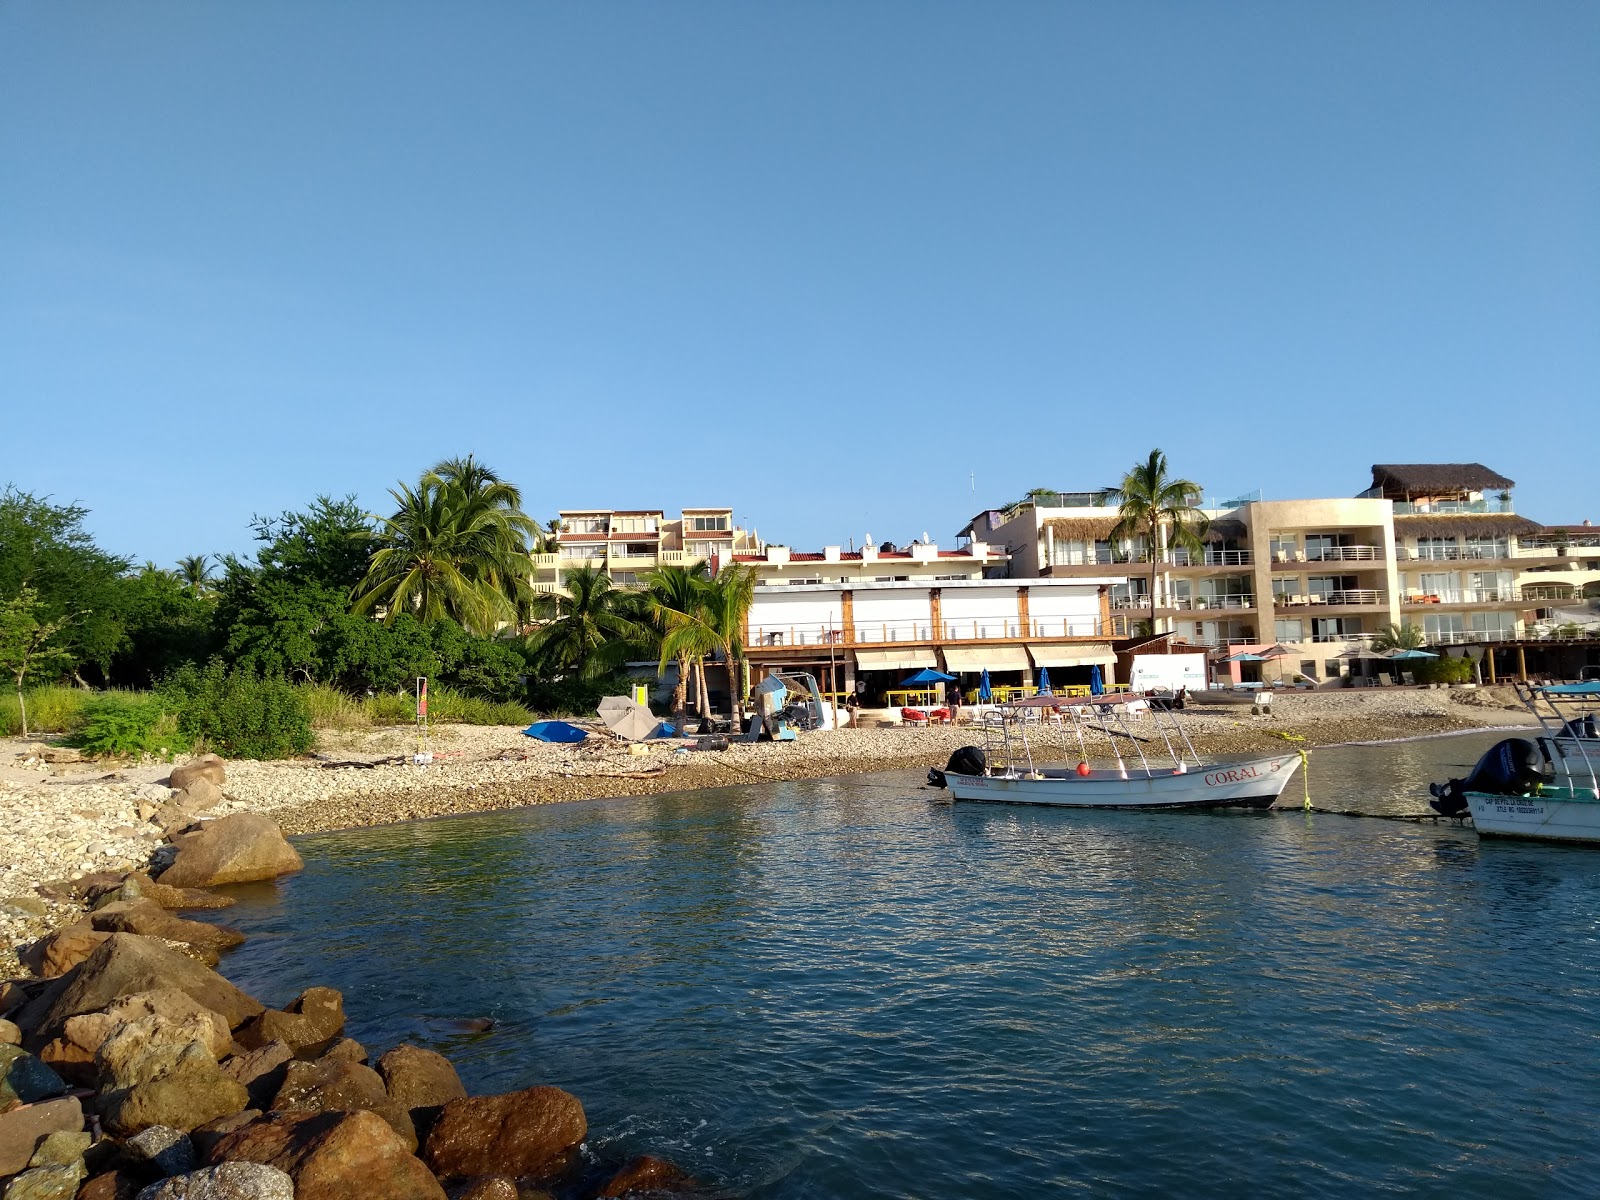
(926, 675)
(555, 731)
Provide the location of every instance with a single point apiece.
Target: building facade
(629, 543)
(1439, 546)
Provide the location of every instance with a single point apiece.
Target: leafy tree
(675, 599)
(196, 574)
(590, 631)
(239, 713)
(166, 623)
(456, 546)
(29, 643)
(1398, 637)
(1161, 509)
(725, 613)
(44, 546)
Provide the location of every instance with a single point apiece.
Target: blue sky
(826, 262)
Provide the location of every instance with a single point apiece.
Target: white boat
(1546, 789)
(1004, 772)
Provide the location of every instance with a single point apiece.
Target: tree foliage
(31, 643)
(1398, 637)
(590, 631)
(1161, 509)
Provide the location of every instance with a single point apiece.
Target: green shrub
(238, 713)
(446, 706)
(333, 709)
(391, 708)
(575, 697)
(50, 710)
(1443, 670)
(125, 727)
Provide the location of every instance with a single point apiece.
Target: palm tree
(1398, 637)
(1152, 503)
(675, 598)
(546, 539)
(457, 546)
(594, 628)
(727, 610)
(195, 574)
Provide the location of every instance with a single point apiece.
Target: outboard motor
(968, 760)
(1509, 768)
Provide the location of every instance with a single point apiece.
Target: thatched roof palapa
(1226, 529)
(1465, 525)
(1084, 529)
(1432, 479)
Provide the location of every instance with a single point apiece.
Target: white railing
(908, 631)
(1343, 553)
(1457, 637)
(1451, 553)
(1466, 596)
(1342, 637)
(1130, 602)
(1407, 508)
(1547, 544)
(1209, 603)
(1347, 596)
(1549, 591)
(1084, 558)
(1210, 558)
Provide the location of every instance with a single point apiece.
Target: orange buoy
(1083, 769)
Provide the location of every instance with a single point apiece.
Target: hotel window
(1334, 629)
(1499, 624)
(1289, 630)
(1491, 546)
(625, 579)
(1437, 548)
(1441, 584)
(701, 549)
(1489, 586)
(1443, 626)
(1285, 589)
(1330, 668)
(1283, 548)
(706, 524)
(633, 524)
(809, 579)
(584, 525)
(583, 550)
(1308, 667)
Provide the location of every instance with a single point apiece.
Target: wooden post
(847, 604)
(1488, 657)
(935, 614)
(1023, 618)
(1522, 662)
(1105, 609)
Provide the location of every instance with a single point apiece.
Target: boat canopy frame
(1562, 728)
(1009, 754)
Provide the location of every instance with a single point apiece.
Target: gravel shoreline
(67, 819)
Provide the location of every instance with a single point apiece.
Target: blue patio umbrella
(555, 731)
(926, 676)
(1044, 682)
(984, 694)
(1097, 685)
(1413, 654)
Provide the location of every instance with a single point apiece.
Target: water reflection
(836, 988)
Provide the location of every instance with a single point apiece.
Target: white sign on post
(1168, 672)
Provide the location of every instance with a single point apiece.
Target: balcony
(1210, 558)
(1343, 553)
(995, 630)
(1464, 596)
(1209, 603)
(1407, 508)
(1361, 638)
(1086, 558)
(1549, 591)
(1365, 597)
(1458, 637)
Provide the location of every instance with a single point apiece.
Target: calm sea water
(839, 989)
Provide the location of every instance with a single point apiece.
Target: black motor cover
(968, 760)
(1508, 768)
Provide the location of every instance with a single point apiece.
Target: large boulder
(333, 1156)
(186, 1094)
(175, 897)
(233, 849)
(313, 1017)
(90, 1030)
(517, 1133)
(118, 1184)
(165, 1149)
(329, 1085)
(423, 1081)
(56, 954)
(124, 965)
(207, 767)
(230, 1181)
(46, 1183)
(261, 1071)
(25, 1079)
(150, 919)
(23, 1129)
(494, 1187)
(648, 1174)
(199, 795)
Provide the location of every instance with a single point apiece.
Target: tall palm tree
(726, 612)
(195, 574)
(455, 547)
(675, 598)
(594, 628)
(478, 479)
(1398, 637)
(1160, 508)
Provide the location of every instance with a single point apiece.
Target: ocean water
(838, 988)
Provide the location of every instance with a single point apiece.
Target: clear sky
(825, 262)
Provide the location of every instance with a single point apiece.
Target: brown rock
(114, 1185)
(22, 1129)
(57, 954)
(199, 795)
(331, 1086)
(174, 819)
(175, 897)
(495, 1187)
(208, 767)
(648, 1174)
(90, 1030)
(232, 849)
(261, 1071)
(333, 1156)
(146, 917)
(46, 1183)
(124, 965)
(10, 1035)
(212, 1132)
(518, 1133)
(315, 1016)
(186, 1095)
(419, 1078)
(346, 1050)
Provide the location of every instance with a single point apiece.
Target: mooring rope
(1305, 761)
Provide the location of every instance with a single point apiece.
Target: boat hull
(1538, 818)
(1253, 784)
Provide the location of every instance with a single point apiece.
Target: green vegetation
(1154, 505)
(126, 725)
(1442, 670)
(1398, 637)
(590, 631)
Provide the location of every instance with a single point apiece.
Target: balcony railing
(1452, 553)
(1549, 591)
(1086, 558)
(1457, 637)
(1549, 543)
(1465, 596)
(1343, 553)
(924, 631)
(1348, 596)
(1343, 637)
(1210, 558)
(1407, 508)
(1209, 603)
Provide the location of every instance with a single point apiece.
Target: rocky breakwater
(130, 1069)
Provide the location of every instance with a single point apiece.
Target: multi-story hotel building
(1436, 545)
(629, 543)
